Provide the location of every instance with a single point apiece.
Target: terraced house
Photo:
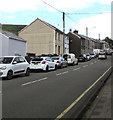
(42, 38)
(80, 44)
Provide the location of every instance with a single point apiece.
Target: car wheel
(9, 75)
(27, 72)
(73, 63)
(55, 67)
(47, 68)
(61, 66)
(66, 64)
(77, 63)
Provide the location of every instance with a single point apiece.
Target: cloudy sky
(79, 14)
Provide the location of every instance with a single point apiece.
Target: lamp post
(87, 30)
(63, 32)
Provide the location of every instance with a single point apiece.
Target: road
(48, 94)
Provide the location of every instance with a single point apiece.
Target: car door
(51, 63)
(16, 66)
(23, 64)
(63, 62)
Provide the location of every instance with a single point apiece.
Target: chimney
(70, 30)
(75, 31)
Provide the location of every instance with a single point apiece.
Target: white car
(102, 55)
(88, 56)
(13, 65)
(71, 58)
(43, 63)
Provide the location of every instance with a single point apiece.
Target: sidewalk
(101, 106)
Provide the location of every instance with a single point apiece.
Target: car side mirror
(14, 62)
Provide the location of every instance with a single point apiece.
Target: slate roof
(83, 36)
(11, 35)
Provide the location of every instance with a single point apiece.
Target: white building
(10, 44)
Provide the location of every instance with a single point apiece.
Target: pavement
(100, 108)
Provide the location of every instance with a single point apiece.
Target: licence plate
(35, 63)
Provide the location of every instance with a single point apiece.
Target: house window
(59, 36)
(55, 35)
(58, 50)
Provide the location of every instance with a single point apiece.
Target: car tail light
(43, 62)
(58, 61)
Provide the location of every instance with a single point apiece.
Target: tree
(109, 41)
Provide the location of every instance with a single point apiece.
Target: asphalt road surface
(48, 94)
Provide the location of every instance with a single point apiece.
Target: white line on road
(34, 81)
(91, 63)
(85, 65)
(62, 73)
(76, 69)
(0, 91)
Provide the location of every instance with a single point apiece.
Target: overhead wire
(52, 6)
(67, 14)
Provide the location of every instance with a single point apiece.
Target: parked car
(13, 65)
(1, 73)
(108, 52)
(60, 61)
(43, 63)
(71, 58)
(88, 56)
(93, 55)
(82, 58)
(102, 55)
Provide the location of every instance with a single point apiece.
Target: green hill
(12, 28)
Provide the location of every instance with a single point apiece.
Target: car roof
(11, 56)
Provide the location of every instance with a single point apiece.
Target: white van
(71, 58)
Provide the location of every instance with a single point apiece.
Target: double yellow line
(81, 96)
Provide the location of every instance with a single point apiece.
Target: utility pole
(87, 31)
(63, 32)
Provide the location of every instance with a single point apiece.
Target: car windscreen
(6, 60)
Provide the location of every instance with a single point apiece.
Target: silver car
(61, 62)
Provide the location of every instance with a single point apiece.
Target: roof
(11, 35)
(82, 36)
(74, 34)
(49, 25)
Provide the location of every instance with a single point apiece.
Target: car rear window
(102, 53)
(55, 58)
(80, 55)
(37, 59)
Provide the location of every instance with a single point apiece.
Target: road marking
(62, 73)
(34, 81)
(81, 96)
(91, 63)
(85, 65)
(0, 91)
(95, 61)
(76, 69)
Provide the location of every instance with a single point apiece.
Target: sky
(79, 14)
